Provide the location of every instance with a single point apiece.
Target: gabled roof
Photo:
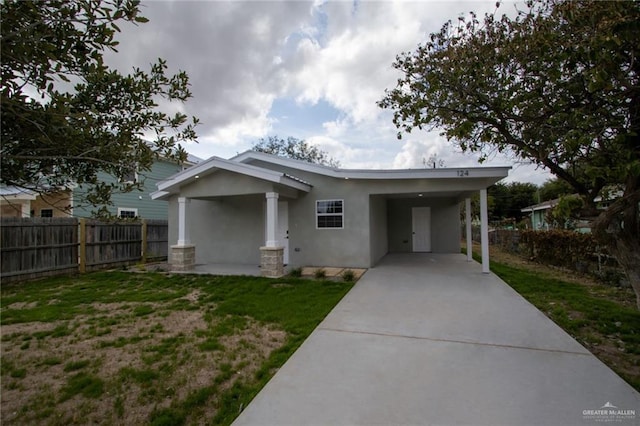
(172, 185)
(193, 159)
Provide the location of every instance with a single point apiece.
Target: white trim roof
(545, 205)
(241, 163)
(438, 173)
(169, 186)
(15, 193)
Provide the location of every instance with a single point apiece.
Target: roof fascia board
(292, 183)
(186, 174)
(287, 162)
(232, 166)
(159, 195)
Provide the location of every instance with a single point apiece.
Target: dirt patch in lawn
(125, 362)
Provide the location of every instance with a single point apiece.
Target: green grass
(82, 384)
(129, 315)
(592, 314)
(76, 365)
(144, 378)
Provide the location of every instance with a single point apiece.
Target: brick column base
(183, 257)
(272, 262)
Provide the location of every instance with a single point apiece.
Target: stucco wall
(225, 230)
(59, 202)
(347, 247)
(308, 246)
(378, 228)
(445, 227)
(226, 183)
(445, 224)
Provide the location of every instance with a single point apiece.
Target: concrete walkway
(428, 339)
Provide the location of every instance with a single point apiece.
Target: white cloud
(349, 156)
(229, 50)
(415, 153)
(243, 55)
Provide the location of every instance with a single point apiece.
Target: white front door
(421, 227)
(282, 233)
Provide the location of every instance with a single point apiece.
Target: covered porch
(246, 204)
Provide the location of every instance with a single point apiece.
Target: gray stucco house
(257, 208)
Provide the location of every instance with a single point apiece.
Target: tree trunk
(618, 228)
(627, 252)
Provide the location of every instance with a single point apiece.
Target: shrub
(295, 272)
(348, 275)
(559, 247)
(320, 274)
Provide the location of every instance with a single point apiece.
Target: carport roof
(248, 157)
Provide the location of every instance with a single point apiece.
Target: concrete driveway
(427, 339)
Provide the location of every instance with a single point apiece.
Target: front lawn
(128, 348)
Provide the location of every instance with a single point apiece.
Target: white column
(183, 226)
(484, 231)
(272, 219)
(467, 218)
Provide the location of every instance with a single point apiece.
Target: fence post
(144, 241)
(82, 252)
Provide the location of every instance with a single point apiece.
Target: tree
(521, 195)
(557, 85)
(433, 162)
(296, 149)
(505, 201)
(566, 213)
(66, 115)
(553, 189)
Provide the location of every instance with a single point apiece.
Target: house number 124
(463, 172)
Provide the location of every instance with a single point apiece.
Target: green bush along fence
(561, 248)
(36, 247)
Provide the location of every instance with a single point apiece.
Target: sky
(313, 70)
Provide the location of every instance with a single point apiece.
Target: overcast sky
(311, 70)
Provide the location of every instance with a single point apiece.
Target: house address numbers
(463, 173)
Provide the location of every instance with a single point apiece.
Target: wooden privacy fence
(35, 247)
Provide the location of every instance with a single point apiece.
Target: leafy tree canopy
(557, 85)
(505, 201)
(296, 149)
(566, 213)
(511, 198)
(554, 188)
(65, 114)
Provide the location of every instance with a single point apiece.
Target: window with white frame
(127, 213)
(330, 214)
